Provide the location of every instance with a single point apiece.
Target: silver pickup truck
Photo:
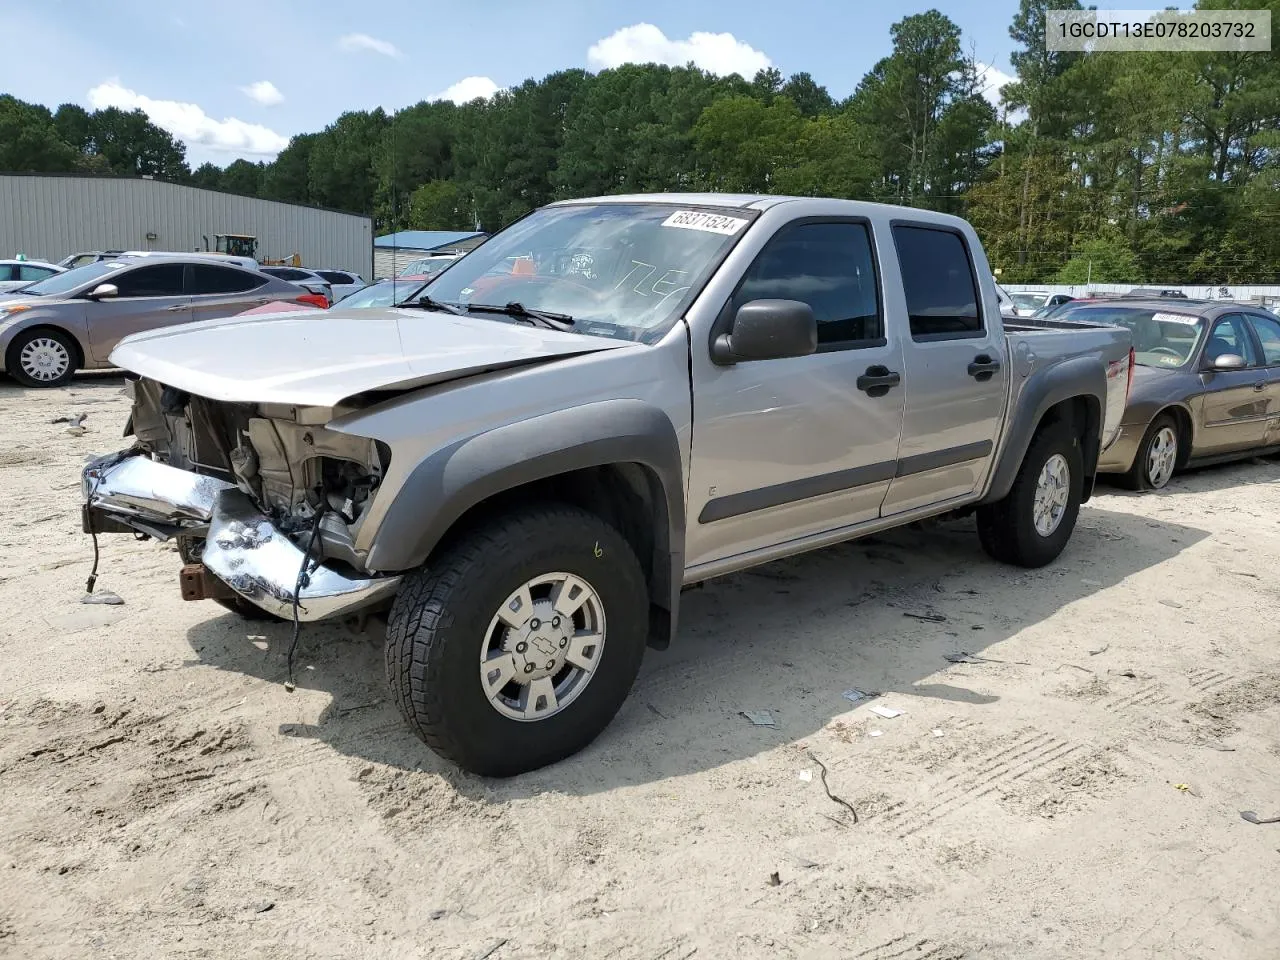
(609, 401)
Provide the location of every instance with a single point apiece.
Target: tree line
(1126, 167)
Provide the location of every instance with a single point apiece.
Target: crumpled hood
(322, 358)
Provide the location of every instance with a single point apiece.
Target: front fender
(10, 327)
(449, 482)
(1084, 376)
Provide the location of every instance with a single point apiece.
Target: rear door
(1233, 407)
(218, 291)
(150, 297)
(789, 447)
(1267, 329)
(954, 371)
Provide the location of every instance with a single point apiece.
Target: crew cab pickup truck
(610, 400)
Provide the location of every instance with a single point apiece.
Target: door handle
(178, 306)
(983, 368)
(878, 380)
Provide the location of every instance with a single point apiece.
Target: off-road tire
(14, 367)
(442, 612)
(1007, 528)
(1138, 476)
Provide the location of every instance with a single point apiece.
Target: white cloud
(468, 89)
(991, 80)
(189, 123)
(360, 42)
(263, 92)
(718, 53)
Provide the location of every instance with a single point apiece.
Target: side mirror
(103, 291)
(1228, 361)
(768, 330)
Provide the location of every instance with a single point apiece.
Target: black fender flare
(452, 480)
(1046, 388)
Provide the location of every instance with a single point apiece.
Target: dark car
(1206, 386)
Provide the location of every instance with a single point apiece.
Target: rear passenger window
(1268, 332)
(333, 276)
(829, 267)
(209, 279)
(942, 293)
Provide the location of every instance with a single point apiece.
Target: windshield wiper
(427, 303)
(539, 318)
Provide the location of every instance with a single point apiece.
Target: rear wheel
(1032, 524)
(42, 358)
(1157, 456)
(517, 645)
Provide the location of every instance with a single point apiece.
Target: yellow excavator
(244, 245)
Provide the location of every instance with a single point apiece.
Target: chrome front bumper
(242, 547)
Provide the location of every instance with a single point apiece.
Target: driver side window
(1230, 335)
(827, 265)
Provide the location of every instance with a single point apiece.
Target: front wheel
(517, 645)
(42, 358)
(1157, 456)
(1032, 524)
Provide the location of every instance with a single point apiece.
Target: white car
(344, 282)
(304, 278)
(1008, 309)
(18, 273)
(1028, 302)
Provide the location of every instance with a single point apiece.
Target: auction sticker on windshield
(706, 222)
(1175, 318)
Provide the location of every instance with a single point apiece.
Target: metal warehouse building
(51, 216)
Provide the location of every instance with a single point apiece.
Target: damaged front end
(264, 502)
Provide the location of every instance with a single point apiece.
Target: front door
(786, 448)
(954, 371)
(149, 297)
(1233, 407)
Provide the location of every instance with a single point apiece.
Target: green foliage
(1154, 167)
(439, 205)
(1099, 261)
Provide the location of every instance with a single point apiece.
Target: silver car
(72, 320)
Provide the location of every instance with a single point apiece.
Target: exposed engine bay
(313, 483)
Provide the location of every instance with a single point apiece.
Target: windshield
(383, 294)
(1029, 301)
(1161, 338)
(618, 269)
(61, 283)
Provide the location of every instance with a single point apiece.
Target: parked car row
(71, 320)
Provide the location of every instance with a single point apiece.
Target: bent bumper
(242, 547)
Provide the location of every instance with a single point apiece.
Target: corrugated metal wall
(49, 217)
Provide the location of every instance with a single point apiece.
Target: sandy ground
(1076, 794)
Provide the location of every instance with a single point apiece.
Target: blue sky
(238, 79)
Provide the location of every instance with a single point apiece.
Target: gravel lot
(1075, 794)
